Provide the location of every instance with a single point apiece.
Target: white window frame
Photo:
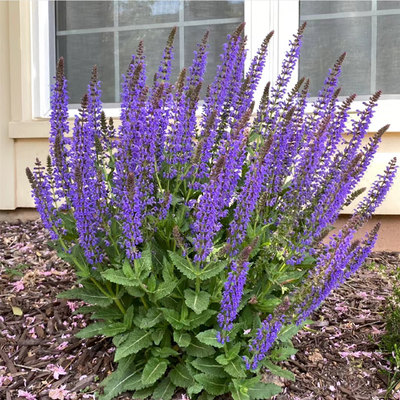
(389, 104)
(261, 16)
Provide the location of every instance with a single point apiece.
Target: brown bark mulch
(40, 358)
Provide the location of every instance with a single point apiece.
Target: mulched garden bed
(40, 358)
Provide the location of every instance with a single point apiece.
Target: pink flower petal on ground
(57, 370)
(18, 286)
(27, 395)
(58, 393)
(62, 346)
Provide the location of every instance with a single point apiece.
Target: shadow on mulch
(40, 358)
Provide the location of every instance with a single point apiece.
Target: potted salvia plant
(197, 242)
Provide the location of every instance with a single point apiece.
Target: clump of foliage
(390, 341)
(197, 243)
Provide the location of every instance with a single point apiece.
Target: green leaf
(157, 336)
(135, 291)
(212, 384)
(181, 377)
(153, 370)
(236, 368)
(89, 294)
(206, 396)
(128, 317)
(282, 353)
(238, 392)
(165, 390)
(119, 339)
(173, 317)
(163, 352)
(127, 269)
(183, 265)
(212, 269)
(195, 320)
(209, 337)
(152, 318)
(136, 341)
(109, 314)
(198, 302)
(164, 289)
(182, 339)
(221, 359)
(117, 276)
(94, 329)
(113, 329)
(198, 349)
(194, 389)
(264, 391)
(209, 366)
(276, 370)
(143, 393)
(114, 384)
(134, 382)
(288, 332)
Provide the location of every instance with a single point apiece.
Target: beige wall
(23, 138)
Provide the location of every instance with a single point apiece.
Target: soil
(338, 355)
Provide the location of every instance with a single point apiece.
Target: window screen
(369, 31)
(106, 33)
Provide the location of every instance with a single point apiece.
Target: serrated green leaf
(163, 352)
(135, 291)
(157, 336)
(183, 265)
(182, 339)
(209, 366)
(136, 341)
(206, 396)
(195, 320)
(212, 384)
(197, 301)
(109, 314)
(209, 337)
(239, 393)
(181, 377)
(119, 339)
(127, 269)
(114, 383)
(221, 359)
(262, 391)
(134, 382)
(198, 349)
(153, 370)
(94, 329)
(288, 332)
(117, 276)
(173, 317)
(89, 294)
(152, 318)
(143, 393)
(282, 353)
(194, 389)
(276, 370)
(128, 317)
(164, 289)
(212, 269)
(165, 390)
(113, 329)
(236, 368)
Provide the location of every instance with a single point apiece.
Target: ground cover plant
(198, 243)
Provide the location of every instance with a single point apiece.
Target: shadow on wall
(389, 233)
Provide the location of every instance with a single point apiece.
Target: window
(106, 33)
(367, 30)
